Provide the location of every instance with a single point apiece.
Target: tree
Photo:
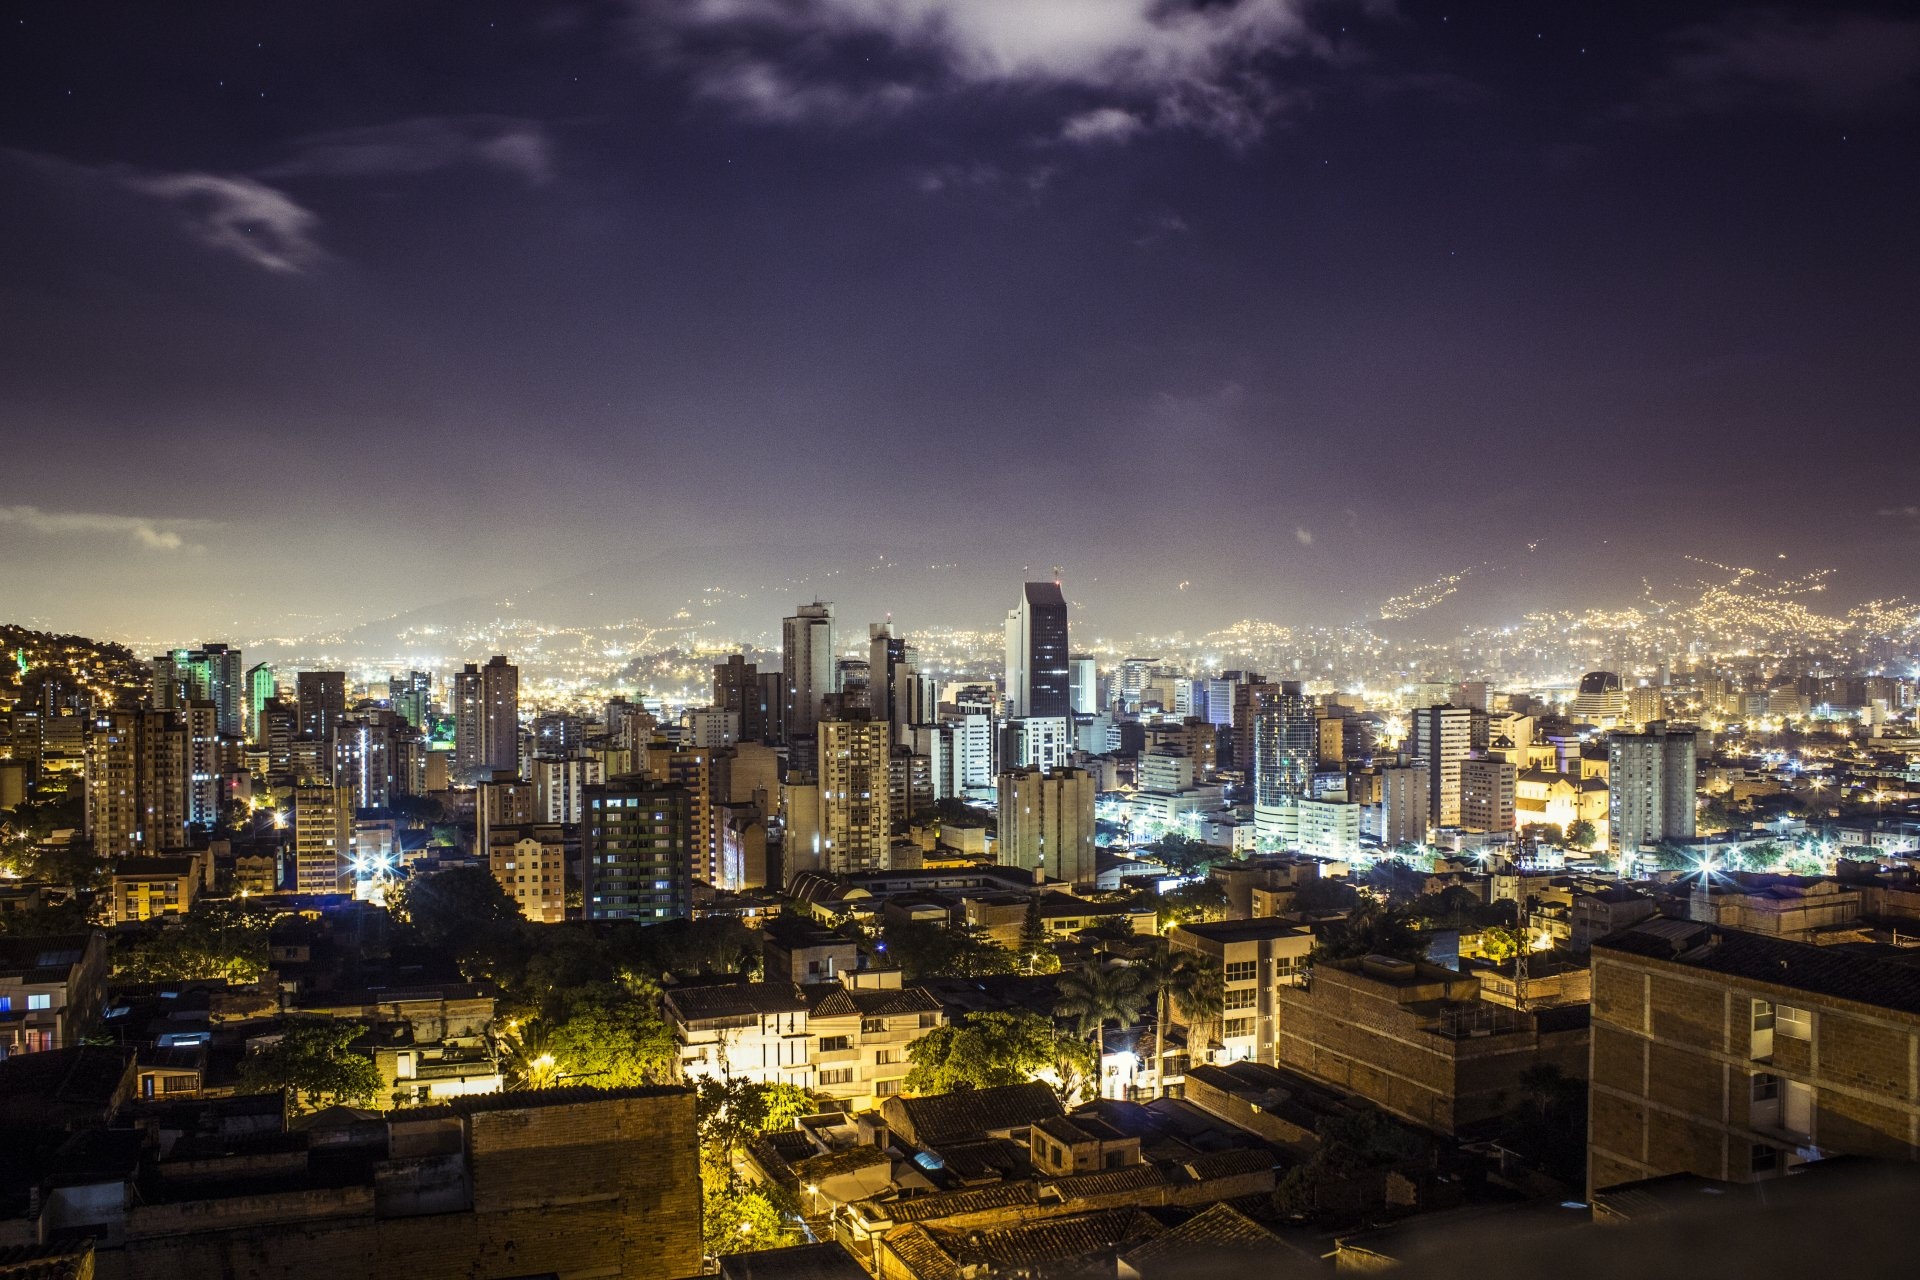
(1371, 930)
(1350, 1144)
(1094, 996)
(1195, 902)
(992, 1049)
(925, 950)
(1582, 834)
(1317, 896)
(1033, 934)
(314, 1064)
(1500, 943)
(455, 907)
(738, 1217)
(611, 1036)
(216, 939)
(729, 1112)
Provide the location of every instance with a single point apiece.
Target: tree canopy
(609, 1036)
(991, 1049)
(314, 1065)
(217, 938)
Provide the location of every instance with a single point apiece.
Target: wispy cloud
(142, 531)
(424, 144)
(242, 216)
(1303, 535)
(1837, 63)
(1908, 512)
(1196, 64)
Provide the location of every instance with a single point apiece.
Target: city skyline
(1388, 293)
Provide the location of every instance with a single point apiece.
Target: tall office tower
(1083, 685)
(850, 690)
(263, 686)
(323, 702)
(773, 705)
(1650, 785)
(807, 671)
(1037, 742)
(559, 784)
(411, 697)
(637, 849)
(856, 816)
(737, 688)
(1219, 701)
(1286, 734)
(1249, 696)
(206, 763)
(1046, 823)
(1487, 794)
(1442, 740)
(322, 838)
(702, 772)
(1406, 809)
(1038, 677)
(367, 756)
(486, 718)
(136, 783)
(530, 865)
(211, 673)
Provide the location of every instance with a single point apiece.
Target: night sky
(313, 311)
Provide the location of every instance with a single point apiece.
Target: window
(872, 1025)
(39, 1000)
(1766, 1087)
(839, 1075)
(1243, 999)
(1242, 970)
(1790, 1023)
(834, 1044)
(1236, 1027)
(883, 1057)
(929, 1020)
(885, 1088)
(1765, 1159)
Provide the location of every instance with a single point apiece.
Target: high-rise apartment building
(1037, 742)
(807, 672)
(207, 762)
(1650, 786)
(322, 838)
(1038, 673)
(637, 848)
(702, 772)
(136, 783)
(1046, 823)
(896, 691)
(856, 815)
(530, 865)
(1249, 696)
(1487, 794)
(486, 719)
(1285, 745)
(1442, 740)
(322, 696)
(411, 697)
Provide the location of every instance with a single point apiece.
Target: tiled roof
(1243, 930)
(1221, 1228)
(1051, 1241)
(828, 1261)
(1227, 1164)
(968, 1113)
(1889, 981)
(1133, 1177)
(922, 1254)
(953, 1204)
(830, 1000)
(738, 1000)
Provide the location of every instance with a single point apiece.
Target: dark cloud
(1837, 63)
(422, 145)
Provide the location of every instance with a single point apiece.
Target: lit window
(1790, 1023)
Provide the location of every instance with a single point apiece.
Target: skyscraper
(262, 687)
(1038, 678)
(807, 671)
(410, 696)
(895, 691)
(136, 783)
(737, 689)
(322, 837)
(1285, 745)
(323, 702)
(1487, 789)
(486, 719)
(1651, 786)
(1083, 685)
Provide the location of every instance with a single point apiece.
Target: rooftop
(738, 1000)
(1887, 979)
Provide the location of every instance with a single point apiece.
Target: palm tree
(1093, 996)
(1167, 972)
(1198, 984)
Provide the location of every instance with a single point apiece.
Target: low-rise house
(757, 1031)
(51, 988)
(860, 1039)
(1259, 958)
(158, 886)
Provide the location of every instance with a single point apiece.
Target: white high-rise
(806, 669)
